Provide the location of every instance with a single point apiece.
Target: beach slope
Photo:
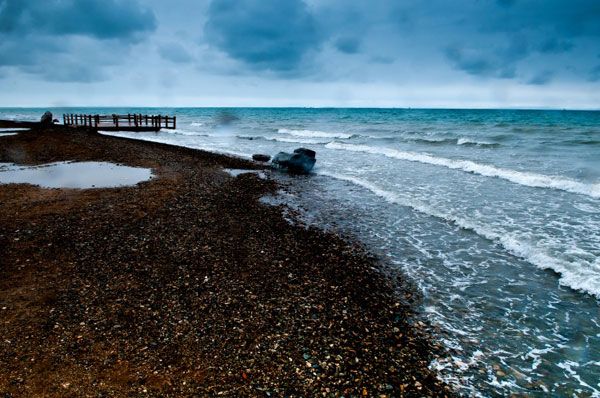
(187, 285)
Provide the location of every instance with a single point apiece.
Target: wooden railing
(129, 121)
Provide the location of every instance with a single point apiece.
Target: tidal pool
(82, 175)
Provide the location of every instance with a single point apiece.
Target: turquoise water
(494, 214)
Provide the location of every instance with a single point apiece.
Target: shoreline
(186, 284)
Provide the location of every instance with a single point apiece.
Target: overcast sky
(380, 53)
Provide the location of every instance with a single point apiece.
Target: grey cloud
(490, 61)
(348, 45)
(541, 78)
(69, 40)
(555, 46)
(102, 19)
(67, 72)
(594, 75)
(381, 59)
(557, 17)
(265, 34)
(175, 52)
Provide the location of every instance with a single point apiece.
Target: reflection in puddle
(74, 175)
(237, 172)
(12, 130)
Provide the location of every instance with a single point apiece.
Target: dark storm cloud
(357, 51)
(506, 39)
(265, 34)
(554, 45)
(102, 19)
(497, 61)
(63, 40)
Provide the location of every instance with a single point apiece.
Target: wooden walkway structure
(129, 122)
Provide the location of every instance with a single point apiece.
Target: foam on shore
(518, 177)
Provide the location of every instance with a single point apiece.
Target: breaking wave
(314, 134)
(574, 275)
(518, 177)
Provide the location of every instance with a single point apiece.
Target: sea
(493, 215)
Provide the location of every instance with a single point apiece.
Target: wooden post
(174, 122)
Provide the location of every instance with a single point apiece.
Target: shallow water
(495, 215)
(237, 172)
(82, 175)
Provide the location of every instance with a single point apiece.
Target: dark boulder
(300, 162)
(261, 158)
(308, 152)
(47, 118)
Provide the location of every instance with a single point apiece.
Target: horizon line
(310, 107)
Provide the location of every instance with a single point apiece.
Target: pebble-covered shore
(186, 285)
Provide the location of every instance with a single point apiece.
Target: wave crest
(573, 275)
(518, 177)
(314, 134)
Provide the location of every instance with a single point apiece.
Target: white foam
(587, 208)
(184, 132)
(313, 134)
(518, 177)
(238, 172)
(573, 275)
(7, 134)
(536, 356)
(168, 140)
(468, 141)
(299, 140)
(196, 124)
(568, 366)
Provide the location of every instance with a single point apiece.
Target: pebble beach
(188, 285)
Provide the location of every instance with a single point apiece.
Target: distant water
(494, 214)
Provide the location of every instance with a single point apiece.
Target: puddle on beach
(5, 132)
(236, 172)
(82, 175)
(12, 129)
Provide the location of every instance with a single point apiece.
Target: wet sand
(186, 285)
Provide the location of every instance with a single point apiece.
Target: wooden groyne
(129, 122)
